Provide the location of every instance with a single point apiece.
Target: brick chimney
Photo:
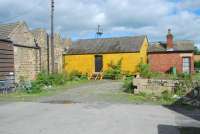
(169, 40)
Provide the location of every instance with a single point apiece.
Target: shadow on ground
(168, 129)
(189, 105)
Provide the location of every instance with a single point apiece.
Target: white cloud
(81, 17)
(184, 4)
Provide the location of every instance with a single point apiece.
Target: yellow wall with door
(86, 63)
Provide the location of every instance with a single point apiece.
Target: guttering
(32, 47)
(164, 52)
(6, 40)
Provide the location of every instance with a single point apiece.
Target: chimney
(169, 40)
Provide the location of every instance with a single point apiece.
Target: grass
(23, 96)
(140, 98)
(196, 76)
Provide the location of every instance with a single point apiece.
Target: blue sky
(79, 18)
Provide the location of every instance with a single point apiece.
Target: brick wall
(196, 57)
(160, 62)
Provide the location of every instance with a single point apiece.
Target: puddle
(59, 102)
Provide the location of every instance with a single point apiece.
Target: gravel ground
(86, 110)
(97, 91)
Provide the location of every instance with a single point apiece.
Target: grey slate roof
(6, 29)
(179, 46)
(107, 45)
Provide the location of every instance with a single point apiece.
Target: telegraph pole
(52, 36)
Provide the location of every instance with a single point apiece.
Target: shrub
(165, 95)
(184, 76)
(197, 64)
(46, 79)
(114, 70)
(144, 70)
(127, 74)
(128, 85)
(183, 86)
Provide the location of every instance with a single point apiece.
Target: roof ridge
(13, 23)
(18, 24)
(112, 37)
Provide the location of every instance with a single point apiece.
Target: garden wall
(154, 85)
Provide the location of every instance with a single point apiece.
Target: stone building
(43, 40)
(6, 64)
(26, 51)
(58, 51)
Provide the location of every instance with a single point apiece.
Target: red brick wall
(163, 62)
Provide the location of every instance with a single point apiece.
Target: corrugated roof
(181, 45)
(6, 29)
(107, 45)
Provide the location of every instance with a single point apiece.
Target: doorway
(98, 63)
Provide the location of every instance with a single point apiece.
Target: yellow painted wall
(86, 63)
(81, 63)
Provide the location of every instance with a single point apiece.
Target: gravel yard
(95, 108)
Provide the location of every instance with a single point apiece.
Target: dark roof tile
(6, 29)
(107, 45)
(181, 45)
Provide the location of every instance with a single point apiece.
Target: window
(186, 65)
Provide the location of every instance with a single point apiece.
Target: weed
(128, 85)
(114, 70)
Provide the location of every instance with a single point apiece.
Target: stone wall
(41, 38)
(26, 63)
(44, 43)
(26, 56)
(58, 42)
(153, 85)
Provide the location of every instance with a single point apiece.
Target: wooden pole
(52, 36)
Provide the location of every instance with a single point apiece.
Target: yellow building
(94, 55)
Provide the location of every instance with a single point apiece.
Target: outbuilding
(6, 64)
(90, 56)
(163, 56)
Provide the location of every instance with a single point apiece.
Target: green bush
(114, 70)
(128, 85)
(197, 64)
(144, 70)
(44, 79)
(166, 96)
(184, 76)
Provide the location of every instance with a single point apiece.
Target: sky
(78, 19)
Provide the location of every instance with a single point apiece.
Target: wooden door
(98, 63)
